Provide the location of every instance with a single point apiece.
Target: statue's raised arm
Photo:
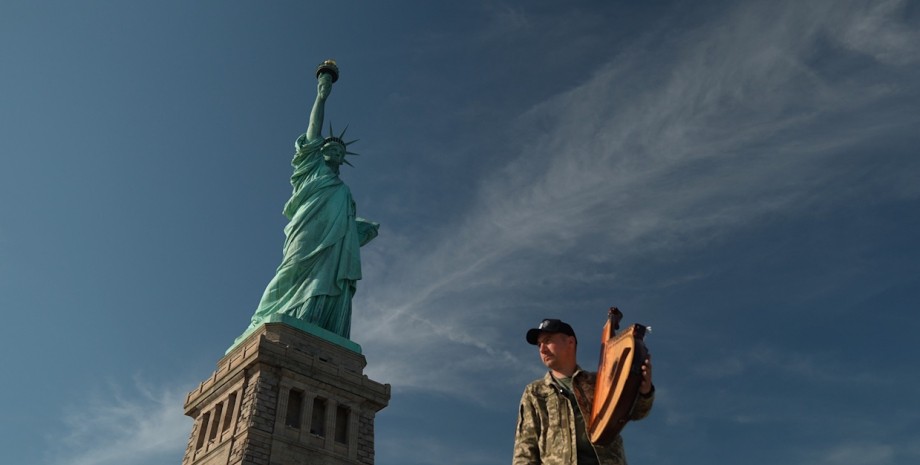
(327, 73)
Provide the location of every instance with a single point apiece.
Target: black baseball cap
(549, 325)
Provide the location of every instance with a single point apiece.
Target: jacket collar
(549, 380)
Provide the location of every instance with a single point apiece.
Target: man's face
(557, 350)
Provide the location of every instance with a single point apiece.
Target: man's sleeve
(526, 448)
(643, 405)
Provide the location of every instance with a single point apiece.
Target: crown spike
(352, 153)
(352, 142)
(342, 135)
(331, 134)
(346, 162)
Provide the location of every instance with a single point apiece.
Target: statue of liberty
(316, 279)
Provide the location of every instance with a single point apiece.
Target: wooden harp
(619, 374)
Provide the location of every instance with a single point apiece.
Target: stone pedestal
(285, 397)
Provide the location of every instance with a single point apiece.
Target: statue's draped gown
(316, 279)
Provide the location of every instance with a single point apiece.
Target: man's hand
(646, 386)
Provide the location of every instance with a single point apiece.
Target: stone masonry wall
(366, 439)
(263, 371)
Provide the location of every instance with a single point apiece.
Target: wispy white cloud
(138, 426)
(875, 30)
(656, 151)
(426, 449)
(864, 452)
(769, 386)
(859, 454)
(805, 367)
(505, 19)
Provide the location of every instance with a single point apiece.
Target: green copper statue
(316, 279)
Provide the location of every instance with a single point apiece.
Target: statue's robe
(316, 279)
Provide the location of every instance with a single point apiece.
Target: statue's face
(333, 153)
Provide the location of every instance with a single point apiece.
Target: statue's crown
(334, 139)
(341, 141)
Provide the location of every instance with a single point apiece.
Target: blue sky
(741, 176)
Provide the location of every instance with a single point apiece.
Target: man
(551, 422)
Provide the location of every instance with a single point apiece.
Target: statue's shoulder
(302, 144)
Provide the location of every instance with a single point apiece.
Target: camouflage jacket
(546, 423)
